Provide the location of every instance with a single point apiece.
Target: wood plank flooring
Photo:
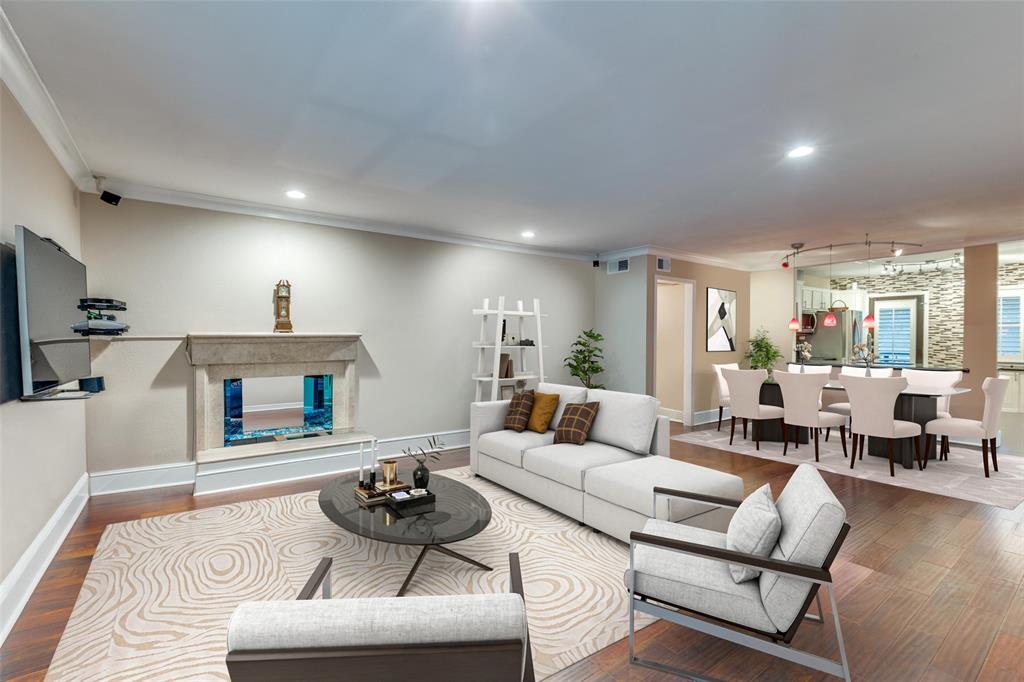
(929, 587)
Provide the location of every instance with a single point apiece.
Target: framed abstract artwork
(721, 326)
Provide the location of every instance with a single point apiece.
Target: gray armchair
(681, 573)
(460, 637)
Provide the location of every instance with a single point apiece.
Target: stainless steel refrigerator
(835, 344)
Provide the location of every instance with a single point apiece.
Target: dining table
(918, 404)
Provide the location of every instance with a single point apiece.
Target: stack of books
(378, 495)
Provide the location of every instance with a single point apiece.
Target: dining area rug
(160, 591)
(962, 476)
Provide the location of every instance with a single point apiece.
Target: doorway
(673, 347)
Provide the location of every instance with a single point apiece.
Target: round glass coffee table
(458, 512)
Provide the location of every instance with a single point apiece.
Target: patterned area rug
(157, 599)
(962, 476)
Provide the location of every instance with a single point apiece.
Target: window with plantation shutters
(895, 333)
(1009, 337)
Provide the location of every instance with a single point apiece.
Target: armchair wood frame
(492, 660)
(773, 643)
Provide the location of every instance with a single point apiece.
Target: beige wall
(981, 285)
(772, 297)
(621, 315)
(42, 444)
(704, 384)
(185, 270)
(671, 311)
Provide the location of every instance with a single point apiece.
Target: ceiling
(599, 126)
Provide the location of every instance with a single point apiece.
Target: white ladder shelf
(490, 340)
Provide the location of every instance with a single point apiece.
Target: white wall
(671, 310)
(187, 270)
(772, 295)
(42, 444)
(621, 316)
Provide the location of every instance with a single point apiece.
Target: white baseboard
(674, 415)
(19, 584)
(709, 416)
(217, 477)
(141, 478)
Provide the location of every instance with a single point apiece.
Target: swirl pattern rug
(158, 596)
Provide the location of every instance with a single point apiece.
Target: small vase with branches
(421, 474)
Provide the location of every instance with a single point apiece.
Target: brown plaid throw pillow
(577, 418)
(519, 410)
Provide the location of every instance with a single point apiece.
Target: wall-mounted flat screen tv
(50, 285)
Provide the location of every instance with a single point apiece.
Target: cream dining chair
(723, 388)
(932, 379)
(847, 371)
(873, 400)
(984, 430)
(801, 399)
(745, 401)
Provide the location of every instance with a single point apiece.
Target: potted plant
(762, 353)
(421, 474)
(582, 361)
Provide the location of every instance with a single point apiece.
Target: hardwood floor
(929, 587)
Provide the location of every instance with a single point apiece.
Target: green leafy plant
(582, 361)
(762, 353)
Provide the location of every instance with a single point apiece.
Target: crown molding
(214, 203)
(21, 77)
(651, 250)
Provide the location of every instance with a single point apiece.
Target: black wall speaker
(110, 198)
(91, 384)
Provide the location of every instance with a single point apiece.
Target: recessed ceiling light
(295, 194)
(800, 152)
(528, 234)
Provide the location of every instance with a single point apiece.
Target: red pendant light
(869, 321)
(830, 320)
(794, 325)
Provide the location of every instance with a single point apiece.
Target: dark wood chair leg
(860, 453)
(757, 434)
(796, 437)
(720, 410)
(842, 438)
(732, 429)
(744, 428)
(929, 441)
(828, 431)
(992, 451)
(945, 448)
(892, 469)
(816, 445)
(984, 454)
(853, 453)
(917, 452)
(785, 438)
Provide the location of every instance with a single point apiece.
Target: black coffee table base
(443, 550)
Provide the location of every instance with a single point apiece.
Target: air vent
(616, 266)
(664, 264)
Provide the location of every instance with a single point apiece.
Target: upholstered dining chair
(745, 401)
(847, 371)
(984, 430)
(932, 379)
(445, 638)
(801, 400)
(794, 368)
(873, 400)
(723, 388)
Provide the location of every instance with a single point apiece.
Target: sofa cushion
(753, 529)
(566, 395)
(631, 484)
(519, 409)
(812, 518)
(509, 446)
(544, 407)
(573, 427)
(566, 463)
(625, 420)
(699, 584)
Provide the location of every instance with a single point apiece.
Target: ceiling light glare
(295, 194)
(800, 152)
(527, 234)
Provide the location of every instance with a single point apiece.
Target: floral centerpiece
(863, 352)
(803, 351)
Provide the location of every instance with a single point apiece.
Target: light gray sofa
(607, 482)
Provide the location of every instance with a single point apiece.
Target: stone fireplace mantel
(218, 356)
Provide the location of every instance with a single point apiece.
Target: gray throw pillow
(754, 529)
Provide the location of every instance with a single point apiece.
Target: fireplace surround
(220, 358)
